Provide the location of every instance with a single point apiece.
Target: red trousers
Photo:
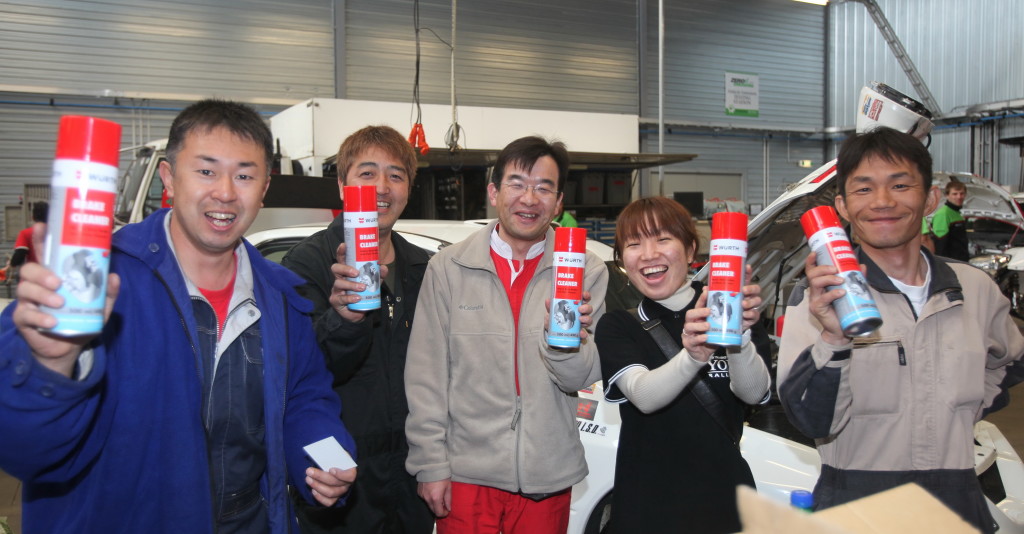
(483, 510)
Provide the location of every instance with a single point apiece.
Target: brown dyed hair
(648, 217)
(384, 137)
(955, 185)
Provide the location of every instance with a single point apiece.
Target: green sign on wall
(741, 94)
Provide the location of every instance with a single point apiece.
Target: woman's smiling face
(657, 265)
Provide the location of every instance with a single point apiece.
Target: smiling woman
(682, 400)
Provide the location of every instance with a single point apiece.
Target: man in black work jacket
(366, 350)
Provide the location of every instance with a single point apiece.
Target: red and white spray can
(857, 311)
(570, 261)
(725, 283)
(362, 243)
(81, 220)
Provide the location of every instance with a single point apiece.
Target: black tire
(600, 516)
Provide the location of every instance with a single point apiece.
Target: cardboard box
(906, 509)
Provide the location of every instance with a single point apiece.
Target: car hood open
(777, 247)
(985, 198)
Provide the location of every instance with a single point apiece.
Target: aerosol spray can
(570, 260)
(725, 284)
(858, 314)
(361, 243)
(81, 219)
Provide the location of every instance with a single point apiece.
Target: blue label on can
(369, 274)
(361, 252)
(564, 326)
(856, 306)
(83, 274)
(726, 319)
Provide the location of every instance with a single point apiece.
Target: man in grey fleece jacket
(491, 428)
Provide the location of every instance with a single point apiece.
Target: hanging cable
(417, 138)
(454, 131)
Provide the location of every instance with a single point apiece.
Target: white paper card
(328, 453)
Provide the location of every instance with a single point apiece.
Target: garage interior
(668, 67)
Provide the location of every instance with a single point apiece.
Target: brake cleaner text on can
(858, 314)
(81, 220)
(361, 243)
(728, 253)
(570, 260)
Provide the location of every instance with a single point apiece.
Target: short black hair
(205, 115)
(886, 143)
(40, 211)
(525, 151)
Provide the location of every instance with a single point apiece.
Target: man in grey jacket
(491, 428)
(897, 405)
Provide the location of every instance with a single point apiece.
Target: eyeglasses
(518, 189)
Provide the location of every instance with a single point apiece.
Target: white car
(780, 462)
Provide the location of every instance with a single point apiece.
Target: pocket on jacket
(880, 363)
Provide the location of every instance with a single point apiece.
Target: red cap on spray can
(360, 198)
(818, 218)
(88, 139)
(729, 225)
(570, 239)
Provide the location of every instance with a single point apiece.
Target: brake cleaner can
(361, 243)
(81, 220)
(858, 314)
(570, 260)
(725, 283)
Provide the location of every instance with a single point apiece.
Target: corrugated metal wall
(779, 40)
(782, 42)
(744, 154)
(258, 49)
(573, 55)
(104, 58)
(967, 52)
(28, 134)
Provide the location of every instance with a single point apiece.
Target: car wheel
(600, 516)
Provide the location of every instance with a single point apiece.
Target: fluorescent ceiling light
(816, 2)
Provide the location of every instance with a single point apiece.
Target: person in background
(28, 247)
(492, 408)
(898, 405)
(565, 218)
(365, 351)
(190, 410)
(946, 228)
(678, 461)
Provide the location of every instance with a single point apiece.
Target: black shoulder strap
(706, 396)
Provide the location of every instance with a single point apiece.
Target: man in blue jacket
(190, 410)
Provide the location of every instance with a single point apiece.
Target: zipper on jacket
(517, 414)
(515, 420)
(199, 375)
(901, 352)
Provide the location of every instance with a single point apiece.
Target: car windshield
(134, 178)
